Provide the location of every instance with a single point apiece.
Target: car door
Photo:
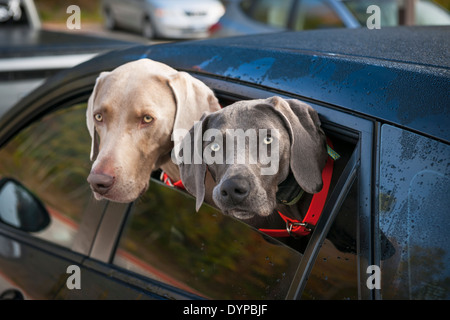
(161, 246)
(414, 178)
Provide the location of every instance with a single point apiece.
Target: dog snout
(234, 190)
(101, 183)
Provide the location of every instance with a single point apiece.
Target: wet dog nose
(234, 190)
(100, 183)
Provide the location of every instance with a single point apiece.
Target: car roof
(416, 45)
(397, 74)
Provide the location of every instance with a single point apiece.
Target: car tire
(108, 20)
(148, 31)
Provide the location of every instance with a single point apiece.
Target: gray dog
(289, 134)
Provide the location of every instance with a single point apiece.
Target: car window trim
(49, 247)
(20, 116)
(92, 216)
(329, 213)
(151, 288)
(109, 231)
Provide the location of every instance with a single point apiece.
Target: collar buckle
(304, 228)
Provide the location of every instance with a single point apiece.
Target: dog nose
(235, 190)
(100, 183)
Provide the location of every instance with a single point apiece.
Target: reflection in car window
(335, 272)
(51, 159)
(414, 219)
(205, 252)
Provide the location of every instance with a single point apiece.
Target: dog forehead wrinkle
(250, 116)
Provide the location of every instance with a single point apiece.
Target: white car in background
(173, 19)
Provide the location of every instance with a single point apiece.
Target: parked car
(174, 19)
(30, 54)
(384, 106)
(263, 16)
(19, 12)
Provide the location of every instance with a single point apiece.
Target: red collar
(293, 227)
(166, 179)
(303, 228)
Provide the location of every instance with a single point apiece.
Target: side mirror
(20, 209)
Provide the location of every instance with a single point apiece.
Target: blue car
(383, 99)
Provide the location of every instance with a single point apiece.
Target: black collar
(289, 192)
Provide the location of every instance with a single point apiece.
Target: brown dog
(131, 115)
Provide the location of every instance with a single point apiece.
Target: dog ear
(192, 167)
(308, 142)
(192, 98)
(90, 117)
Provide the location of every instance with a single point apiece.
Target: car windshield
(391, 11)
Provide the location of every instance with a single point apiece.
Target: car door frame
(101, 250)
(360, 165)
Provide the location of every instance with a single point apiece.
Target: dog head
(130, 116)
(287, 138)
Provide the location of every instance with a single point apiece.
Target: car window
(315, 14)
(274, 13)
(50, 159)
(205, 252)
(413, 216)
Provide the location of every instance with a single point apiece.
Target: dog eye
(98, 117)
(147, 119)
(215, 147)
(268, 140)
